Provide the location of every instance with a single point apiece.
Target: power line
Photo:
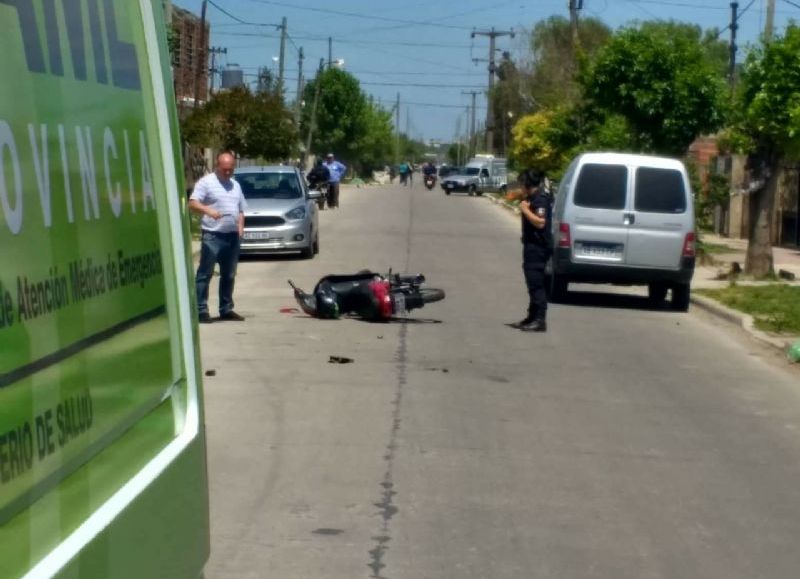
(679, 4)
(353, 42)
(362, 16)
(236, 18)
(792, 3)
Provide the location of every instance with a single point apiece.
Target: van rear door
(596, 218)
(660, 219)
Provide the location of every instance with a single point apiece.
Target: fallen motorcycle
(369, 295)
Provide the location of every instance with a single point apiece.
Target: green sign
(85, 347)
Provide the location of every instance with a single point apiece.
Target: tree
(664, 80)
(768, 117)
(342, 110)
(556, 59)
(257, 125)
(539, 141)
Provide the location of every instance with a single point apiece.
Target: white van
(483, 173)
(626, 219)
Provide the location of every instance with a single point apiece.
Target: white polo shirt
(224, 196)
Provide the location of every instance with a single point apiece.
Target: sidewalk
(707, 274)
(711, 275)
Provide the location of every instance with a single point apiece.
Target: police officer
(536, 211)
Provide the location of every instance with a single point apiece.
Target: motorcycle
(369, 295)
(430, 181)
(323, 189)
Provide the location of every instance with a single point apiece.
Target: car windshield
(473, 170)
(264, 185)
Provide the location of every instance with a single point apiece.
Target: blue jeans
(222, 249)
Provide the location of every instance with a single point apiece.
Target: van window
(602, 186)
(659, 191)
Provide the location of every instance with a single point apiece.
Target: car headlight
(296, 213)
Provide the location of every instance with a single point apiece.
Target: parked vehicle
(626, 219)
(483, 173)
(282, 213)
(369, 295)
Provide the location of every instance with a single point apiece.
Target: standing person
(536, 212)
(410, 174)
(219, 199)
(336, 170)
(403, 173)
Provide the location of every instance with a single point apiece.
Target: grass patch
(712, 248)
(775, 307)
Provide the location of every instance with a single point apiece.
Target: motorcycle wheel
(431, 294)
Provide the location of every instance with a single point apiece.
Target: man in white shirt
(219, 199)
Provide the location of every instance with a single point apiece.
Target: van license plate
(256, 235)
(602, 250)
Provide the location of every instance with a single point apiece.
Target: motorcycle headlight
(296, 213)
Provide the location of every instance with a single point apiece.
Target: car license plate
(601, 250)
(254, 235)
(449, 185)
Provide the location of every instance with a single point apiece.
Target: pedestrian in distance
(410, 174)
(337, 171)
(403, 168)
(537, 246)
(219, 199)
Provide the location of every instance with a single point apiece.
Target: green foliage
(348, 123)
(538, 142)
(663, 80)
(775, 307)
(770, 99)
(556, 61)
(257, 125)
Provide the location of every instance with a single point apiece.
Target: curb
(735, 317)
(744, 321)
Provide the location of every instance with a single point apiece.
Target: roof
(265, 169)
(631, 159)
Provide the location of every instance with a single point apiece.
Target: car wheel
(656, 292)
(447, 191)
(315, 246)
(681, 294)
(307, 252)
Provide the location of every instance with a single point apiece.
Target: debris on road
(340, 360)
(211, 372)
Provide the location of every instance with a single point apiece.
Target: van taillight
(564, 239)
(688, 245)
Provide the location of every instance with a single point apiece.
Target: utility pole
(574, 6)
(314, 107)
(471, 148)
(215, 50)
(201, 55)
(300, 82)
(330, 52)
(397, 130)
(770, 20)
(492, 34)
(734, 27)
(282, 56)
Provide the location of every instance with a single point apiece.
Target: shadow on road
(270, 257)
(609, 300)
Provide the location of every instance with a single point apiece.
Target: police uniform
(536, 249)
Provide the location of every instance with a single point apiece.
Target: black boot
(535, 326)
(518, 325)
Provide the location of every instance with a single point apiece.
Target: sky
(424, 49)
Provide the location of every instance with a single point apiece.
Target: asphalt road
(625, 442)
